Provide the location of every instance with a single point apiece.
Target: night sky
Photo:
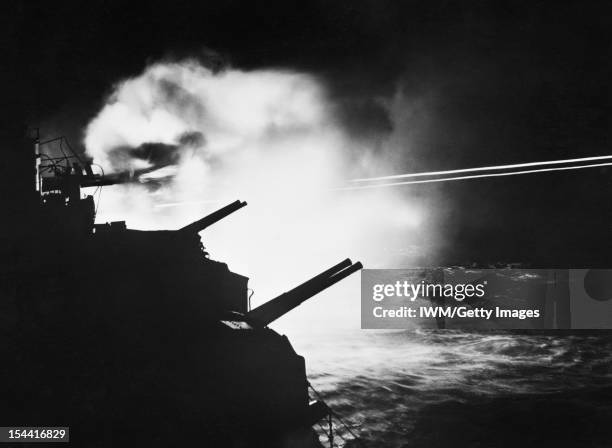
(502, 82)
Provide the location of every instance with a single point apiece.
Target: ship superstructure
(132, 336)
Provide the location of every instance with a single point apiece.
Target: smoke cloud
(274, 138)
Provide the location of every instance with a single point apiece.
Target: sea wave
(384, 382)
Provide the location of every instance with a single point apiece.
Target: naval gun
(270, 311)
(208, 220)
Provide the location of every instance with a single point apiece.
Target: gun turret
(277, 307)
(201, 224)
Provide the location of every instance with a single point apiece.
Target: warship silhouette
(138, 338)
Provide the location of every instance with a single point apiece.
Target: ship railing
(337, 433)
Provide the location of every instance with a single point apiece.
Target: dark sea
(439, 389)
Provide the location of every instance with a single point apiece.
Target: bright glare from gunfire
(268, 137)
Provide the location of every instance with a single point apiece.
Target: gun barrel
(201, 224)
(340, 276)
(277, 307)
(322, 276)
